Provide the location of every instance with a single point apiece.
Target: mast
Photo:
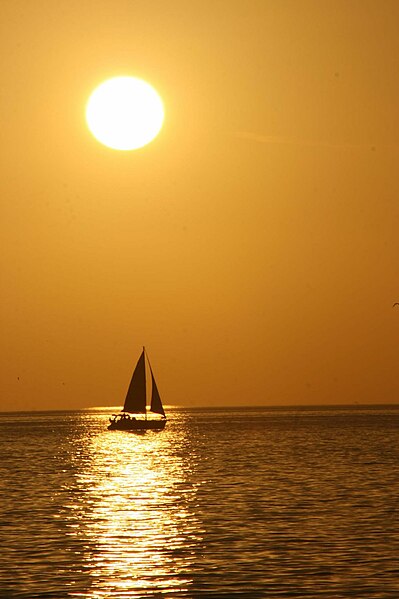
(144, 354)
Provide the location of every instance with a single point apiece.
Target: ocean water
(223, 503)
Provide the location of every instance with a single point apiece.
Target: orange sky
(252, 247)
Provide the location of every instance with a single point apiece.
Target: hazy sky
(253, 247)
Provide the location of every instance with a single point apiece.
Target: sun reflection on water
(137, 525)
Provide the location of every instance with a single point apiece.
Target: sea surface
(223, 503)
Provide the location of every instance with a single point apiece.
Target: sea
(258, 502)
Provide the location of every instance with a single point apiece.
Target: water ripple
(219, 504)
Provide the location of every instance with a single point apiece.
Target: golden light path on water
(137, 525)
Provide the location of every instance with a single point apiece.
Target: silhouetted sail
(135, 401)
(156, 403)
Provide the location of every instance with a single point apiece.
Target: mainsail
(135, 401)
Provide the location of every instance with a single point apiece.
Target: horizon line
(217, 407)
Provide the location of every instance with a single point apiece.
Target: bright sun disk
(124, 113)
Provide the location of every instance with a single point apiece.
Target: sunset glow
(216, 182)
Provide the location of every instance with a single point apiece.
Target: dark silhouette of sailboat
(136, 402)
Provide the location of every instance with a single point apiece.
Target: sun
(124, 113)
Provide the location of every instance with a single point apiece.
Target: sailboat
(136, 402)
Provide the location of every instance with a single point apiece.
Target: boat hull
(137, 425)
